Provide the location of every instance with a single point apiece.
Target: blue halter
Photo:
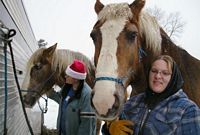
(142, 53)
(119, 80)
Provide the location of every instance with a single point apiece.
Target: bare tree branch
(172, 23)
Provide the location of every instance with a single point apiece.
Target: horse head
(39, 75)
(117, 39)
(46, 67)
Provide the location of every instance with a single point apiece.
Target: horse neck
(180, 55)
(59, 79)
(139, 83)
(189, 67)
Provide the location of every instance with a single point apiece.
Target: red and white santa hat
(77, 70)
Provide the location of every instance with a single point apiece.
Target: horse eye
(130, 35)
(37, 66)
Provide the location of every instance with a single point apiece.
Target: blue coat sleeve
(87, 117)
(190, 123)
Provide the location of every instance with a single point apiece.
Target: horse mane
(149, 26)
(64, 57)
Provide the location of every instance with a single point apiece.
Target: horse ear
(98, 6)
(48, 53)
(137, 6)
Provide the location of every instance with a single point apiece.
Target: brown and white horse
(126, 40)
(46, 68)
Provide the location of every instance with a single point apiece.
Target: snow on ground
(50, 118)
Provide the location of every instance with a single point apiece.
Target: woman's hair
(168, 59)
(79, 89)
(78, 92)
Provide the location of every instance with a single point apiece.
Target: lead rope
(18, 87)
(44, 110)
(7, 34)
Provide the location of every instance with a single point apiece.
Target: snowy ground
(50, 117)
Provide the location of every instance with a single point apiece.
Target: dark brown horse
(46, 68)
(126, 40)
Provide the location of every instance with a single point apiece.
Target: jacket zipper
(144, 119)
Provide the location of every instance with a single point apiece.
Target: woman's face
(69, 79)
(159, 76)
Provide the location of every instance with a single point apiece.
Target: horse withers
(126, 40)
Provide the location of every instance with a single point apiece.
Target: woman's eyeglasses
(163, 73)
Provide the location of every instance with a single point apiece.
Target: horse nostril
(115, 108)
(116, 105)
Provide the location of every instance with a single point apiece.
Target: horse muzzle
(29, 101)
(107, 99)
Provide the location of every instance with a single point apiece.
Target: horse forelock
(150, 30)
(113, 11)
(34, 57)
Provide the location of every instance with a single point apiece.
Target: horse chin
(29, 103)
(107, 117)
(111, 114)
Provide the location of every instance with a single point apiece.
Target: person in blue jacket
(163, 109)
(75, 116)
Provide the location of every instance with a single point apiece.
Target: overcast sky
(69, 22)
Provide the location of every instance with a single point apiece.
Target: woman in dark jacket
(163, 109)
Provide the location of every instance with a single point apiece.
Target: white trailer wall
(13, 15)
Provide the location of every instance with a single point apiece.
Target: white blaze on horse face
(107, 66)
(26, 80)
